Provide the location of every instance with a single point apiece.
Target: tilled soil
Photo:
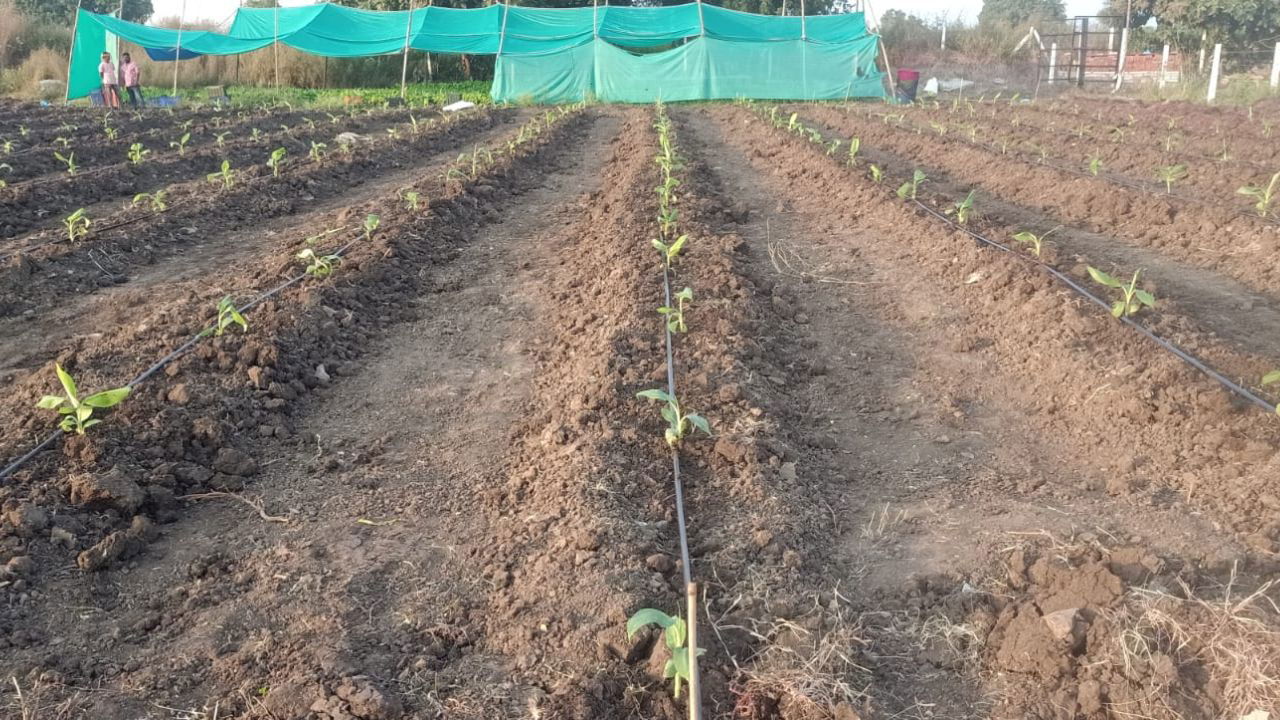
(938, 485)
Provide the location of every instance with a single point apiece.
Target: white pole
(803, 33)
(1164, 64)
(404, 65)
(1053, 61)
(943, 45)
(177, 53)
(1213, 72)
(431, 73)
(1124, 51)
(1111, 39)
(1204, 36)
(275, 43)
(1275, 68)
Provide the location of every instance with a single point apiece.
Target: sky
(961, 9)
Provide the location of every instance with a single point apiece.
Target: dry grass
(809, 672)
(42, 64)
(1235, 637)
(12, 25)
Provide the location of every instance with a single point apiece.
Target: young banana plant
(226, 176)
(675, 315)
(672, 251)
(228, 315)
(77, 412)
(1264, 195)
(276, 161)
(674, 636)
(908, 189)
(1030, 239)
(963, 209)
(679, 423)
(318, 266)
(77, 225)
(1132, 298)
(1170, 174)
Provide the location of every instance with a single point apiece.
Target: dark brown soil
(938, 484)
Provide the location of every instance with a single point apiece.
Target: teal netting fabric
(624, 54)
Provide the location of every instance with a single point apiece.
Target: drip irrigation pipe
(1185, 356)
(181, 350)
(686, 563)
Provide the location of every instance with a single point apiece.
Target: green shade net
(621, 54)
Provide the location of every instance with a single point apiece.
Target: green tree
(1020, 12)
(63, 12)
(1238, 24)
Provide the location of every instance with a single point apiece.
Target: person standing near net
(110, 84)
(131, 75)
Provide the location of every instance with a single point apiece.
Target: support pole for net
(177, 52)
(1124, 50)
(1275, 68)
(868, 11)
(71, 54)
(1214, 71)
(1053, 61)
(404, 64)
(1164, 66)
(431, 73)
(275, 43)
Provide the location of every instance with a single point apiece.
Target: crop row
(1128, 298)
(1252, 127)
(140, 169)
(1117, 160)
(1144, 219)
(1198, 441)
(315, 304)
(230, 198)
(107, 141)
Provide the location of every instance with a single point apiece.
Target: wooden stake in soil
(404, 65)
(177, 51)
(695, 683)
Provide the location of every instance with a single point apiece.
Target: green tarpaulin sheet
(694, 51)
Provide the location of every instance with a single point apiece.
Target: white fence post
(943, 45)
(1053, 61)
(1124, 52)
(1213, 72)
(1111, 39)
(1164, 64)
(1275, 68)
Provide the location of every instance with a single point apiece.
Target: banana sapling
(77, 412)
(1132, 298)
(679, 423)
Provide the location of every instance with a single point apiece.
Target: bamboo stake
(177, 52)
(404, 66)
(695, 681)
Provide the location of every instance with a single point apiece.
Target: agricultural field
(372, 413)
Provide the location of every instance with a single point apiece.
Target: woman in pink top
(110, 90)
(130, 72)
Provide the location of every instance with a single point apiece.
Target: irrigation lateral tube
(686, 563)
(1183, 355)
